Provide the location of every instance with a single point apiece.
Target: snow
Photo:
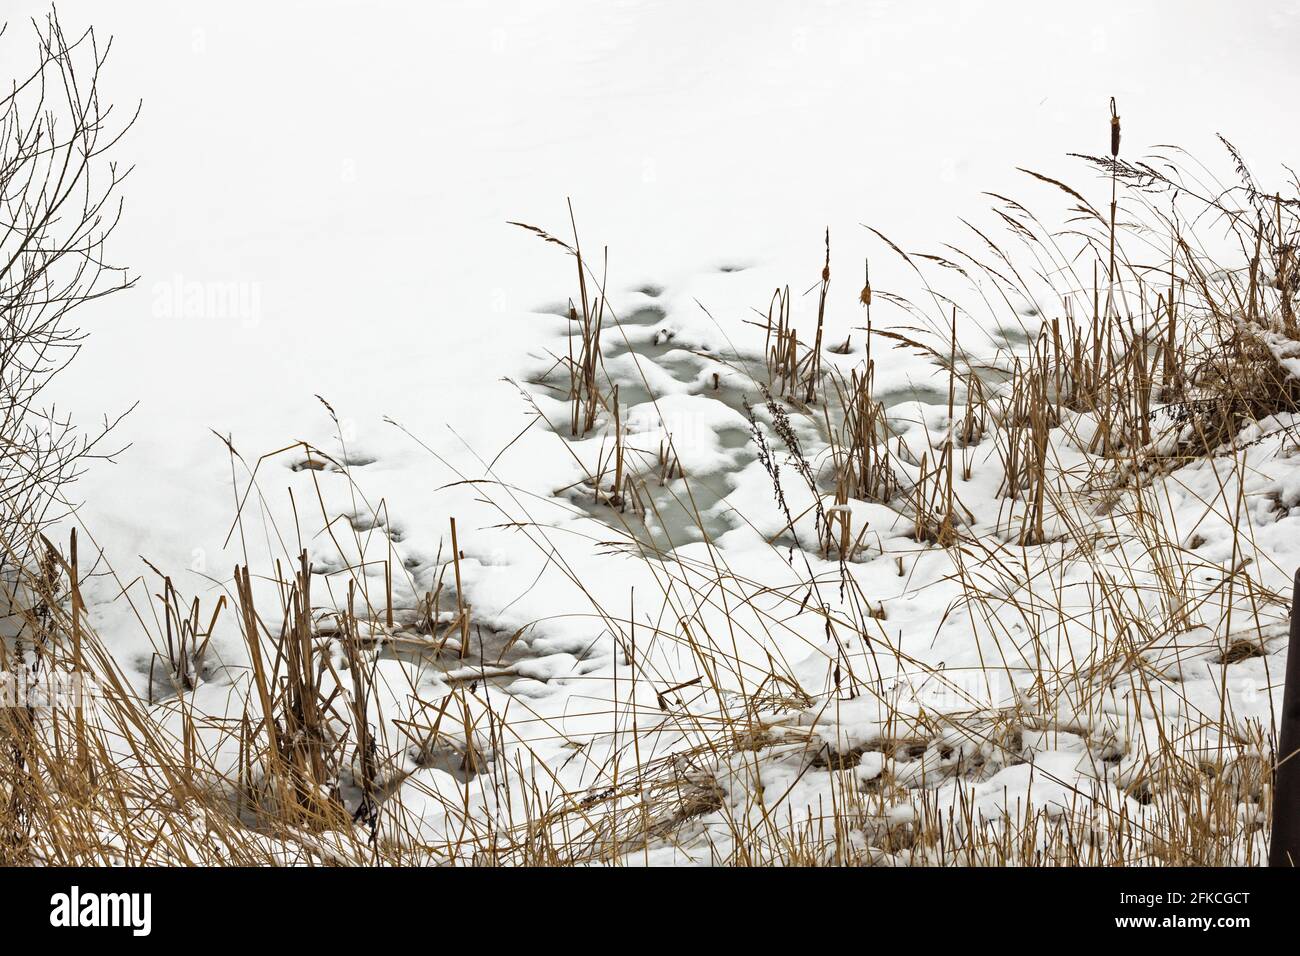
(321, 207)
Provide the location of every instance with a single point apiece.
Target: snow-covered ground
(345, 171)
(321, 209)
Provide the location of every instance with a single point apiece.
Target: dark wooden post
(1285, 848)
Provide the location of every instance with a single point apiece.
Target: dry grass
(1153, 361)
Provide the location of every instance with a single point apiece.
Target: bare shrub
(59, 205)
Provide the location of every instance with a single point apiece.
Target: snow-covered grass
(741, 588)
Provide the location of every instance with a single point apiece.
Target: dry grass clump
(586, 322)
(794, 371)
(93, 772)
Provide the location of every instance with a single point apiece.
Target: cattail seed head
(1114, 130)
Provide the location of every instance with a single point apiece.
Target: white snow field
(674, 637)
